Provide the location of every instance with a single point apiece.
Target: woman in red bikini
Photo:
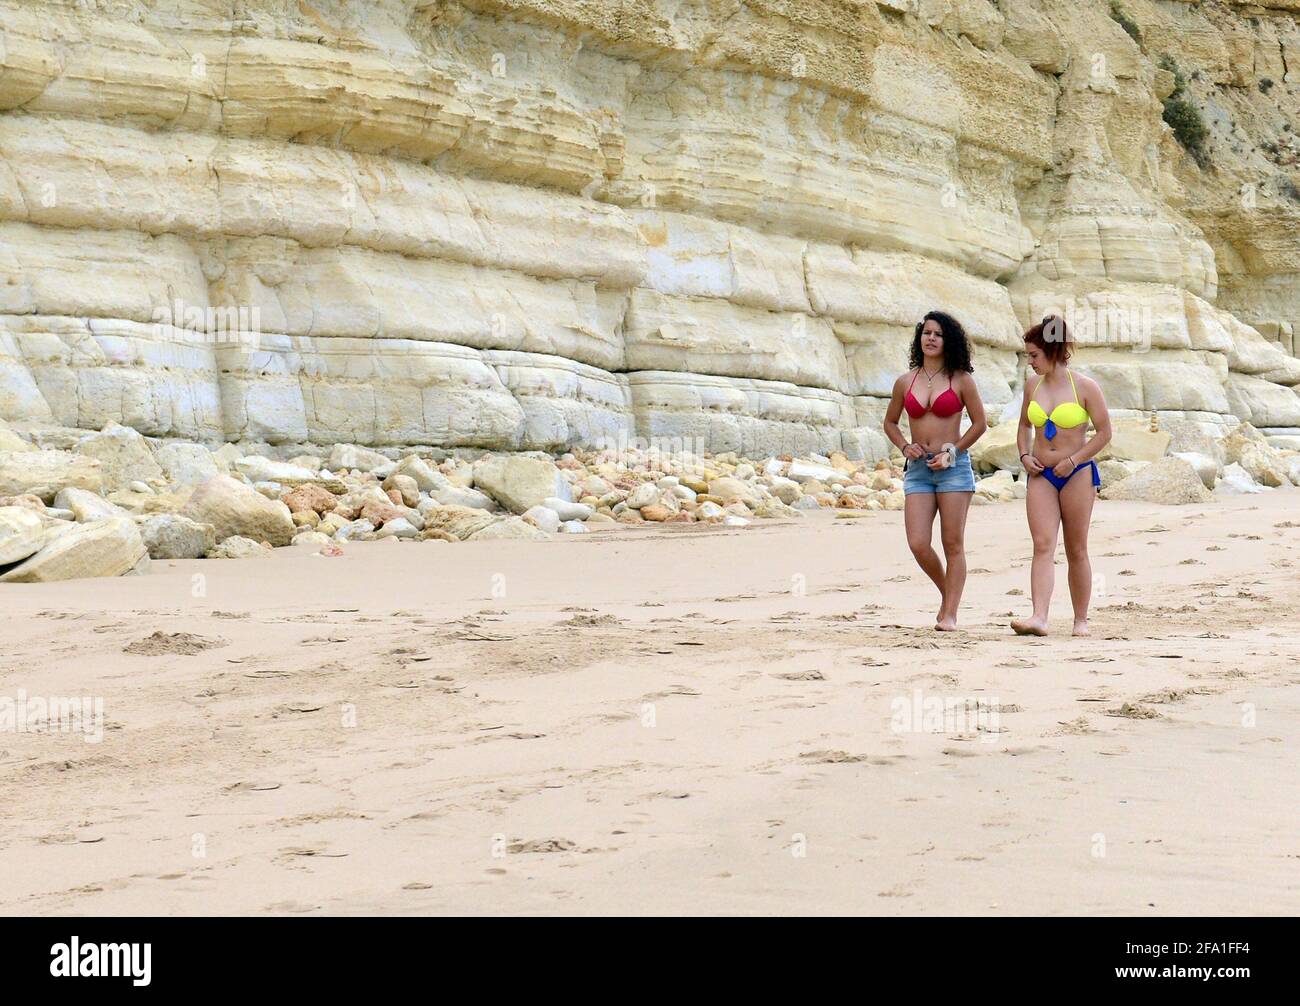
(938, 477)
(1063, 478)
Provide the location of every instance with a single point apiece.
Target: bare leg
(1077, 499)
(1043, 509)
(953, 508)
(918, 519)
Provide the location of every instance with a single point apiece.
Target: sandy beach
(682, 719)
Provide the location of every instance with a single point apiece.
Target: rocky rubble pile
(80, 504)
(77, 504)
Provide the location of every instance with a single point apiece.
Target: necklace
(929, 378)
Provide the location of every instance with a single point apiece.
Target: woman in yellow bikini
(1063, 478)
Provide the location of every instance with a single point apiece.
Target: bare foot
(1080, 627)
(946, 623)
(1029, 626)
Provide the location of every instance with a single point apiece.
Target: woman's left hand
(1064, 468)
(939, 462)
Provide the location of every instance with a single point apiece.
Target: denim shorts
(956, 478)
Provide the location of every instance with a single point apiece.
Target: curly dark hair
(956, 347)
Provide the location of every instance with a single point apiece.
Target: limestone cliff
(534, 223)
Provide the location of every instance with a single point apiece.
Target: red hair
(1051, 336)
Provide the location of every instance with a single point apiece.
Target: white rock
(233, 508)
(1236, 481)
(85, 505)
(460, 496)
(733, 521)
(352, 456)
(544, 517)
(355, 530)
(507, 528)
(124, 456)
(1206, 467)
(805, 471)
(427, 478)
(313, 540)
(171, 536)
(519, 482)
(108, 547)
(136, 486)
(574, 527)
(239, 547)
(45, 473)
(21, 533)
(398, 527)
(259, 469)
(708, 509)
(568, 511)
(643, 495)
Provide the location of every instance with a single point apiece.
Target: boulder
(454, 495)
(124, 456)
(398, 527)
(544, 518)
(1246, 446)
(997, 449)
(22, 532)
(1206, 467)
(350, 456)
(108, 547)
(259, 469)
(1133, 439)
(86, 505)
(11, 441)
(509, 527)
(427, 478)
(800, 471)
(1236, 481)
(239, 547)
(1170, 480)
(315, 498)
(568, 511)
(184, 463)
(407, 489)
(728, 488)
(233, 508)
(171, 536)
(459, 521)
(519, 482)
(314, 540)
(1000, 487)
(45, 473)
(644, 495)
(1112, 472)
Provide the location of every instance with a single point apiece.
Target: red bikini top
(947, 404)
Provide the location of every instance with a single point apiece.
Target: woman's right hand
(914, 452)
(1032, 465)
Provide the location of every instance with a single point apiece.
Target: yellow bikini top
(1065, 416)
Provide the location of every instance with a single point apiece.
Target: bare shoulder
(903, 379)
(964, 380)
(1088, 386)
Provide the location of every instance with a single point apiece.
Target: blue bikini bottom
(1059, 482)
